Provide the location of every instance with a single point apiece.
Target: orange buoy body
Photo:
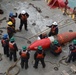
(66, 37)
(45, 43)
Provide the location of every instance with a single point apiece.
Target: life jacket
(40, 55)
(72, 48)
(24, 54)
(23, 17)
(13, 20)
(53, 29)
(58, 50)
(11, 46)
(3, 43)
(10, 29)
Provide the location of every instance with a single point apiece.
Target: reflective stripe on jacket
(40, 55)
(23, 54)
(11, 45)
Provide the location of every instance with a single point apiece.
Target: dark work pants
(52, 34)
(6, 51)
(10, 35)
(72, 56)
(37, 61)
(23, 23)
(24, 62)
(13, 53)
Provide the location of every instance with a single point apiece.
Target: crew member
(13, 49)
(74, 14)
(72, 48)
(54, 29)
(24, 57)
(12, 18)
(5, 44)
(65, 9)
(23, 19)
(55, 48)
(39, 56)
(42, 36)
(10, 29)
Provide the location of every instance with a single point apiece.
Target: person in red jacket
(24, 57)
(5, 44)
(39, 56)
(23, 19)
(55, 48)
(13, 49)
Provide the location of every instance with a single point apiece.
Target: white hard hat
(54, 23)
(23, 12)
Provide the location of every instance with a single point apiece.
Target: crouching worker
(24, 57)
(72, 55)
(5, 44)
(13, 49)
(54, 29)
(42, 36)
(39, 56)
(55, 48)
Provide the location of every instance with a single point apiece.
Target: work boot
(26, 29)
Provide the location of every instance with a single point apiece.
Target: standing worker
(72, 55)
(13, 49)
(56, 48)
(23, 19)
(10, 29)
(12, 18)
(65, 9)
(39, 56)
(24, 57)
(74, 14)
(5, 44)
(54, 29)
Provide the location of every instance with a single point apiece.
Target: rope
(11, 67)
(28, 41)
(61, 26)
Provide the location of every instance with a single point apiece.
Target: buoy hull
(45, 43)
(66, 37)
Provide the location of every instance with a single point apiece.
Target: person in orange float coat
(54, 29)
(10, 29)
(12, 18)
(39, 56)
(24, 57)
(13, 49)
(23, 19)
(55, 48)
(72, 55)
(5, 44)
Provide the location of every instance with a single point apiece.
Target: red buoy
(66, 37)
(45, 43)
